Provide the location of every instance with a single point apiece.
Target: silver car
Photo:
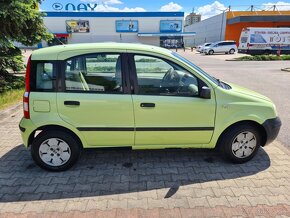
(200, 48)
(227, 47)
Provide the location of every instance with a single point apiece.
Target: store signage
(170, 25)
(71, 7)
(77, 26)
(126, 26)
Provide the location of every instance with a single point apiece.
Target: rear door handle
(147, 105)
(76, 103)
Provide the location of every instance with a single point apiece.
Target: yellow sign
(35, 6)
(72, 23)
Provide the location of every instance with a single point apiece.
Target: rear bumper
(26, 127)
(272, 127)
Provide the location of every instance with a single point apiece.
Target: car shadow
(102, 172)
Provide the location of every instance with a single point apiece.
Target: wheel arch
(54, 127)
(259, 127)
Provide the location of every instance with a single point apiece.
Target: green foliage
(147, 60)
(9, 81)
(10, 97)
(264, 58)
(106, 59)
(20, 22)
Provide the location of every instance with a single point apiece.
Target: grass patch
(264, 58)
(10, 97)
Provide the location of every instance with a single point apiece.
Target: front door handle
(75, 103)
(147, 105)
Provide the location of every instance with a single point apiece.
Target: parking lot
(165, 183)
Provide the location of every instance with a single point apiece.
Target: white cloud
(106, 8)
(210, 10)
(104, 2)
(281, 6)
(171, 6)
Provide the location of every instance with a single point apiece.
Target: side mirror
(205, 92)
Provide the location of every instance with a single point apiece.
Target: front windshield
(196, 68)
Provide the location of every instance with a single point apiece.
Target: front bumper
(272, 127)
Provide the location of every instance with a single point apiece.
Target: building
(155, 28)
(192, 18)
(228, 25)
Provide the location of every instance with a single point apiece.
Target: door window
(94, 73)
(156, 76)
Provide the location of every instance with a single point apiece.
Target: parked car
(227, 47)
(200, 48)
(139, 96)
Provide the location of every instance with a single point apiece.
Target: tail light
(27, 90)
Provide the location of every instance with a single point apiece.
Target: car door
(219, 47)
(94, 99)
(167, 107)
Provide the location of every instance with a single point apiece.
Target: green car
(138, 96)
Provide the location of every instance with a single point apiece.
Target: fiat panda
(139, 96)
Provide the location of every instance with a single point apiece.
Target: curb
(286, 69)
(9, 111)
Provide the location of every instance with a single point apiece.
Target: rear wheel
(240, 143)
(55, 150)
(232, 51)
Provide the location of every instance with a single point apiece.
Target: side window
(43, 77)
(159, 77)
(94, 73)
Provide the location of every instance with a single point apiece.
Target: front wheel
(240, 143)
(211, 52)
(55, 150)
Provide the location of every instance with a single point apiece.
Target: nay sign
(71, 7)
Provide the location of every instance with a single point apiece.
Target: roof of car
(52, 53)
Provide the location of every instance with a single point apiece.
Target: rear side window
(43, 76)
(94, 73)
(230, 43)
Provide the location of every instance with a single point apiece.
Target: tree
(19, 22)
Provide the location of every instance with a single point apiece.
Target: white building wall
(103, 29)
(209, 30)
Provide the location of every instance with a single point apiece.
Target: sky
(207, 8)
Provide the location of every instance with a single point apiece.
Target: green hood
(245, 91)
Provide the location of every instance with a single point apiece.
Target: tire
(232, 51)
(240, 143)
(210, 52)
(55, 150)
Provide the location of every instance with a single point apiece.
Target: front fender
(230, 114)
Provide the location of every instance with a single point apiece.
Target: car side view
(139, 96)
(227, 47)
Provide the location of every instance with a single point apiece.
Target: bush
(9, 81)
(10, 58)
(264, 58)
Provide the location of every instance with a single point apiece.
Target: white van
(255, 40)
